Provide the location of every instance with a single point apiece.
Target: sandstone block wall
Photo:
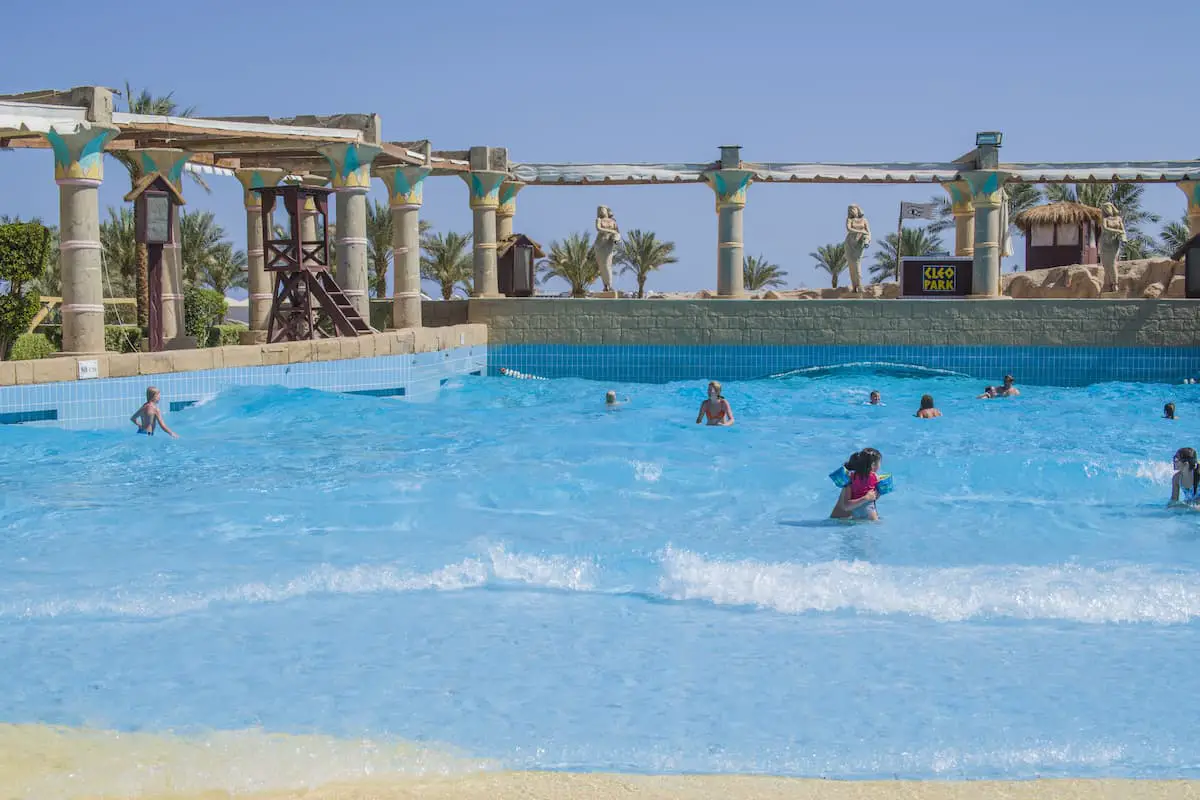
(1092, 323)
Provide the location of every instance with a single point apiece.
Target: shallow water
(515, 574)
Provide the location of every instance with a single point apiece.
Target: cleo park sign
(933, 277)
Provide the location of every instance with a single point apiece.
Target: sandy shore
(43, 762)
(555, 786)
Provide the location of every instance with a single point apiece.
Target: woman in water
(927, 411)
(857, 500)
(1169, 411)
(1185, 485)
(715, 408)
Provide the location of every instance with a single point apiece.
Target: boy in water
(611, 402)
(150, 415)
(1007, 389)
(1169, 411)
(875, 399)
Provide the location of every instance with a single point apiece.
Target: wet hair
(874, 394)
(610, 397)
(150, 392)
(989, 390)
(1008, 379)
(862, 462)
(1169, 411)
(717, 384)
(1187, 455)
(926, 401)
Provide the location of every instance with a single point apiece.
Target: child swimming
(1185, 484)
(927, 409)
(857, 500)
(715, 408)
(150, 415)
(1169, 411)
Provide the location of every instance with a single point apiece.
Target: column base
(253, 337)
(610, 295)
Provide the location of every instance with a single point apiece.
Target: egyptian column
(729, 184)
(169, 163)
(1192, 190)
(258, 280)
(964, 217)
(79, 171)
(351, 178)
(987, 196)
(405, 187)
(507, 209)
(484, 187)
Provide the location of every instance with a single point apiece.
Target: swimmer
(875, 399)
(857, 500)
(1169, 411)
(927, 410)
(988, 393)
(610, 400)
(150, 415)
(1007, 389)
(1185, 484)
(715, 408)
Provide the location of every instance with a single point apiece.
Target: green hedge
(29, 346)
(24, 252)
(223, 335)
(122, 338)
(381, 314)
(203, 309)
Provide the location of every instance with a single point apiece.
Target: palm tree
(447, 261)
(832, 259)
(146, 103)
(641, 253)
(379, 245)
(199, 239)
(914, 242)
(118, 247)
(758, 273)
(1020, 196)
(1127, 197)
(224, 269)
(1174, 236)
(573, 261)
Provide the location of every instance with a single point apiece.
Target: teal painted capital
(986, 186)
(80, 155)
(351, 164)
(1191, 189)
(484, 187)
(257, 178)
(405, 185)
(166, 161)
(730, 185)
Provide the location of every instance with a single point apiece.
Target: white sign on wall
(89, 369)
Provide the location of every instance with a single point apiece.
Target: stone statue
(858, 237)
(1112, 236)
(607, 238)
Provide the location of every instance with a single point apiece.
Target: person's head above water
(610, 398)
(1186, 456)
(875, 398)
(864, 462)
(1169, 411)
(151, 394)
(989, 391)
(926, 401)
(1008, 381)
(714, 390)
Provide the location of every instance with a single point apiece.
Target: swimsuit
(721, 406)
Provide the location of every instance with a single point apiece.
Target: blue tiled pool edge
(1053, 366)
(108, 402)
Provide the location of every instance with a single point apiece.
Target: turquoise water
(516, 572)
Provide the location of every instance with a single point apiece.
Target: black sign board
(932, 276)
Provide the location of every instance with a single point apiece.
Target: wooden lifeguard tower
(1060, 235)
(307, 303)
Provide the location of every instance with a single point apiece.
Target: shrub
(122, 338)
(29, 346)
(223, 335)
(203, 309)
(24, 252)
(52, 332)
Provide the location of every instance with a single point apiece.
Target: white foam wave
(859, 366)
(1156, 472)
(1129, 594)
(647, 471)
(554, 572)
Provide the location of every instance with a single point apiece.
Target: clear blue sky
(648, 81)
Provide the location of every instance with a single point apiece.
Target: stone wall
(116, 365)
(1095, 323)
(439, 313)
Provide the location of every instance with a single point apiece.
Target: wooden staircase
(342, 313)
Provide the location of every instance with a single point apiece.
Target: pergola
(347, 150)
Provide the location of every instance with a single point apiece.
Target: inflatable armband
(840, 477)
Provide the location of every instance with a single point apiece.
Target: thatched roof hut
(1057, 214)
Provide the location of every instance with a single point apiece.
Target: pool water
(517, 575)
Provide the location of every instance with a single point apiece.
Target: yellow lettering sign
(938, 279)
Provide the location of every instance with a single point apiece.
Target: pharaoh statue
(1112, 236)
(858, 237)
(607, 238)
